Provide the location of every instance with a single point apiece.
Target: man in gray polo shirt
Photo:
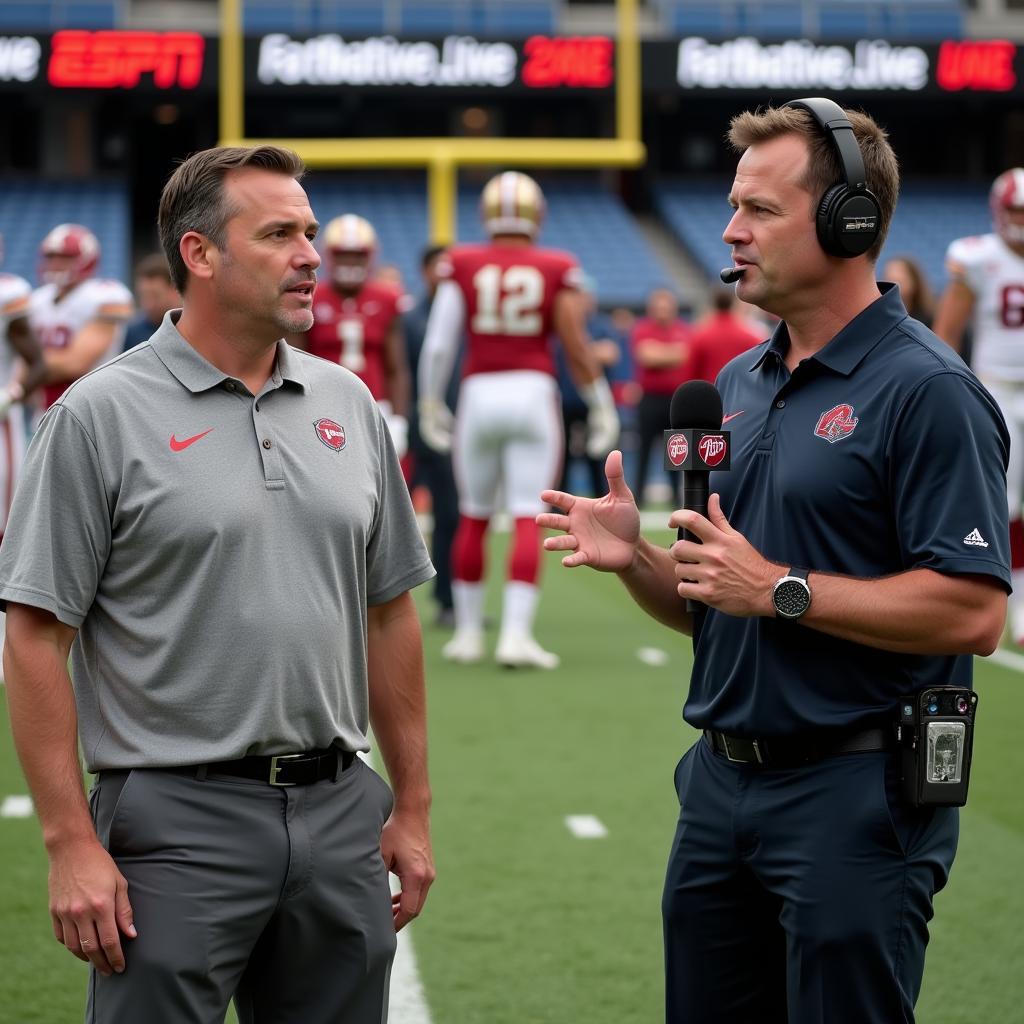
(215, 527)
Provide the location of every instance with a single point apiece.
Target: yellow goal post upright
(442, 157)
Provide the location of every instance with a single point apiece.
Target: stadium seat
(29, 208)
(774, 19)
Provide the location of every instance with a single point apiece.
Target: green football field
(527, 923)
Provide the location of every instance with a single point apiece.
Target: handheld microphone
(730, 275)
(695, 444)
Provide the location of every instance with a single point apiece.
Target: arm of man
(399, 720)
(396, 368)
(83, 352)
(437, 359)
(88, 895)
(919, 611)
(659, 355)
(954, 313)
(603, 418)
(604, 533)
(24, 341)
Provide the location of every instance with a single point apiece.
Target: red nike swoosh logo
(732, 416)
(180, 446)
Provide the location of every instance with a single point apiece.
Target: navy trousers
(799, 896)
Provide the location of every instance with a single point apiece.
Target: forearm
(651, 583)
(915, 612)
(45, 727)
(398, 700)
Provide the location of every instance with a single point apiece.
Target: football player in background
(506, 298)
(22, 370)
(986, 292)
(79, 318)
(357, 321)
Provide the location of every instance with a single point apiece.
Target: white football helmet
(1006, 194)
(69, 253)
(512, 204)
(350, 246)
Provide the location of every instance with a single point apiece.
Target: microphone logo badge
(678, 449)
(712, 449)
(837, 423)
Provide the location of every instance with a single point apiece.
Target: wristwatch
(791, 595)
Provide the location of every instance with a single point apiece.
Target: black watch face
(791, 598)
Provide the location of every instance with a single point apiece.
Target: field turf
(527, 924)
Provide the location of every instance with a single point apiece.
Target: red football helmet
(350, 245)
(512, 204)
(69, 253)
(1006, 195)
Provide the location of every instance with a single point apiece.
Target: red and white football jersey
(995, 273)
(509, 293)
(14, 298)
(352, 330)
(57, 322)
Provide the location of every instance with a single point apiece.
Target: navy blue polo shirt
(879, 454)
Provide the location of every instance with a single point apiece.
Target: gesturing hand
(600, 532)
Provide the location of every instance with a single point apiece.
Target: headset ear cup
(826, 219)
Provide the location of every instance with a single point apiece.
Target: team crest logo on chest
(837, 423)
(331, 434)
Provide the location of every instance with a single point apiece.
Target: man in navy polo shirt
(868, 464)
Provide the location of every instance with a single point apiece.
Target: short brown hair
(153, 267)
(193, 198)
(824, 169)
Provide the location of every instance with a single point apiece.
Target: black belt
(792, 751)
(281, 769)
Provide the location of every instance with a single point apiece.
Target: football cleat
(522, 651)
(69, 253)
(1006, 194)
(350, 245)
(465, 647)
(512, 204)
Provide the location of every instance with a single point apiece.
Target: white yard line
(16, 807)
(1008, 659)
(585, 826)
(653, 656)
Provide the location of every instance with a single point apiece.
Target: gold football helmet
(512, 204)
(350, 244)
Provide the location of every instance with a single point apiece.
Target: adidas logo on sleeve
(975, 540)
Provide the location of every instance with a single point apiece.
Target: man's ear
(198, 253)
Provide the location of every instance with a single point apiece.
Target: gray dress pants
(276, 896)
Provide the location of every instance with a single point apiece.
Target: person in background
(985, 296)
(358, 321)
(155, 294)
(433, 468)
(906, 272)
(78, 317)
(854, 555)
(720, 337)
(505, 299)
(608, 353)
(214, 529)
(660, 347)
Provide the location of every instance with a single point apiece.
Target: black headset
(848, 219)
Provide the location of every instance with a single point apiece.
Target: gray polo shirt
(216, 552)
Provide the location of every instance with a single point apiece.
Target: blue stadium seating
(30, 15)
(583, 218)
(919, 20)
(29, 208)
(928, 217)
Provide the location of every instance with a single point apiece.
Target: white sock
(468, 603)
(518, 607)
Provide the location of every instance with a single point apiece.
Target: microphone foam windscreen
(696, 404)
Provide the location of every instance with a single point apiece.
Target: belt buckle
(739, 760)
(275, 768)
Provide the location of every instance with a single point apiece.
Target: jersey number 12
(508, 300)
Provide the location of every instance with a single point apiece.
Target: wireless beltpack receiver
(936, 732)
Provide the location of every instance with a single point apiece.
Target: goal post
(442, 157)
